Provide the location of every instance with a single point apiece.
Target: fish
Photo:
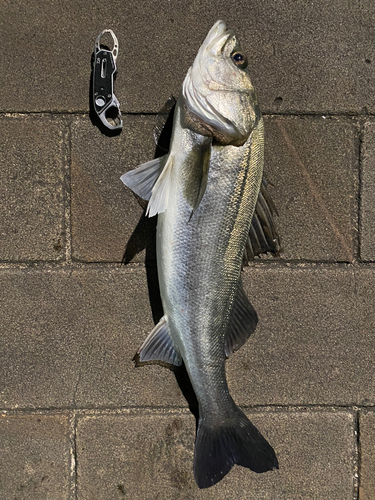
(214, 214)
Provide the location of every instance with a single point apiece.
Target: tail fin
(218, 448)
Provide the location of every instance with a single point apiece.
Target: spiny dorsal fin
(164, 124)
(262, 235)
(242, 323)
(158, 346)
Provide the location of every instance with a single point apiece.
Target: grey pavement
(304, 57)
(78, 420)
(34, 457)
(69, 337)
(149, 457)
(32, 188)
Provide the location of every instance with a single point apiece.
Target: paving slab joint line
(82, 112)
(359, 126)
(72, 456)
(261, 261)
(68, 190)
(75, 265)
(46, 265)
(360, 185)
(163, 410)
(357, 462)
(359, 457)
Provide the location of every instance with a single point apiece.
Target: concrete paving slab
(150, 456)
(367, 220)
(32, 166)
(34, 457)
(68, 339)
(104, 212)
(312, 164)
(367, 455)
(302, 57)
(314, 343)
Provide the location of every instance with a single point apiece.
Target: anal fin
(242, 323)
(158, 346)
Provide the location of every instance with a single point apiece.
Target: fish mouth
(218, 30)
(217, 38)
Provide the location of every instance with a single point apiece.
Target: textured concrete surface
(367, 451)
(367, 226)
(151, 457)
(314, 343)
(68, 339)
(34, 457)
(303, 56)
(312, 164)
(104, 212)
(32, 166)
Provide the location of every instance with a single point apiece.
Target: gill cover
(218, 90)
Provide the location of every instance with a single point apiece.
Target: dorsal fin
(164, 124)
(262, 235)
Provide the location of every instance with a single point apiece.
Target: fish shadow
(144, 238)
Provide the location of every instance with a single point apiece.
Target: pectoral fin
(242, 323)
(152, 181)
(142, 179)
(161, 190)
(158, 346)
(262, 235)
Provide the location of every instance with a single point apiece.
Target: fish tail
(219, 447)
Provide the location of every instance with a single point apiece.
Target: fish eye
(239, 59)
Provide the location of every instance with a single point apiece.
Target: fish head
(217, 89)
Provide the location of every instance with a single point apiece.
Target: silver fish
(205, 191)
